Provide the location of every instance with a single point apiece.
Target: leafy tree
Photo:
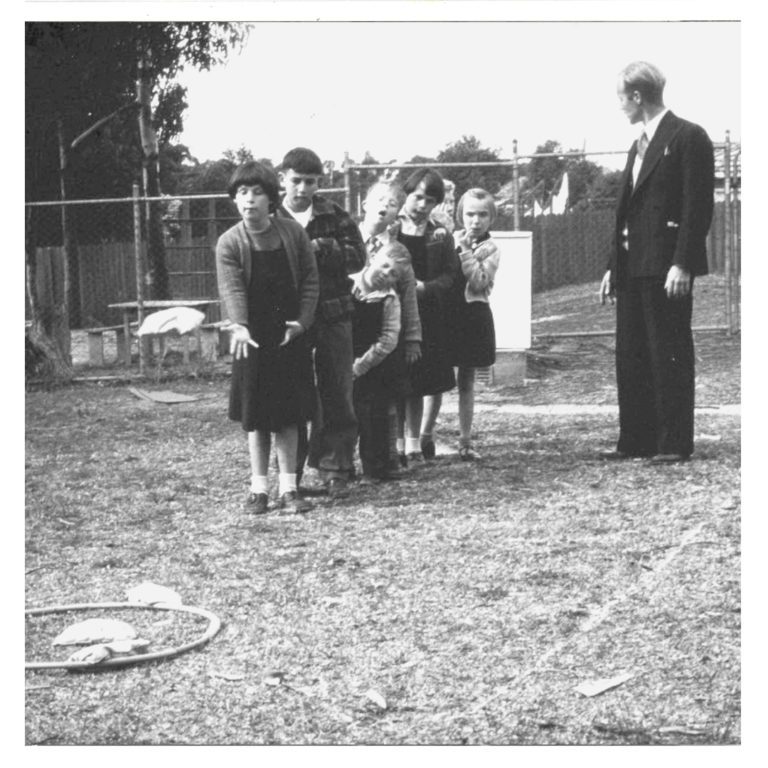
(544, 173)
(89, 86)
(469, 150)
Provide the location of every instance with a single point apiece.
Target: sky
(402, 88)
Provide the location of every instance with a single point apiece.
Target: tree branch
(95, 127)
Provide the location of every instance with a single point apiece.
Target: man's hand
(419, 288)
(412, 352)
(239, 341)
(678, 283)
(607, 290)
(292, 330)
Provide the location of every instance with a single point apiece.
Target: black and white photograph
(383, 381)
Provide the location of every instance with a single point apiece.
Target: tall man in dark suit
(662, 221)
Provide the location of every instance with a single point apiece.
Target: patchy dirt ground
(461, 605)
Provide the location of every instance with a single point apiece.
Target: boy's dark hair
(252, 173)
(433, 183)
(302, 160)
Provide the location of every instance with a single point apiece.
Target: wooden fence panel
(566, 249)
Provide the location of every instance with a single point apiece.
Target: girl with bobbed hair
(435, 265)
(268, 284)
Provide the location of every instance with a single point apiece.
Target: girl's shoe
(428, 449)
(257, 503)
(291, 504)
(467, 454)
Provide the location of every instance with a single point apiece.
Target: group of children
(356, 328)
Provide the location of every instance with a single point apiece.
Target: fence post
(347, 186)
(139, 275)
(727, 231)
(515, 187)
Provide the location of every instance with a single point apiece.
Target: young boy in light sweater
(377, 368)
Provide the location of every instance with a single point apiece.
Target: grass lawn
(461, 605)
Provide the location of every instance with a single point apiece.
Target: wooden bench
(208, 339)
(96, 344)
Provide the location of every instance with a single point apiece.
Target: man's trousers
(654, 369)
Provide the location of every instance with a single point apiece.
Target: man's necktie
(642, 145)
(373, 244)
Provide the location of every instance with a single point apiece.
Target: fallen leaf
(231, 676)
(595, 687)
(305, 690)
(274, 678)
(374, 696)
(683, 730)
(332, 601)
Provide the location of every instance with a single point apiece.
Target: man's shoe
(620, 455)
(336, 488)
(428, 449)
(291, 504)
(257, 503)
(669, 458)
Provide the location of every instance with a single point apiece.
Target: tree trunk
(157, 278)
(71, 254)
(47, 338)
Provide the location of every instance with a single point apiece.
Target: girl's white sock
(259, 484)
(400, 445)
(412, 445)
(286, 482)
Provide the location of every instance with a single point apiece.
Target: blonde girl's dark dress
(273, 387)
(471, 330)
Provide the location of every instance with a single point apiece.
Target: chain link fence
(105, 245)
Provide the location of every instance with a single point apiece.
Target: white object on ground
(99, 652)
(93, 631)
(153, 594)
(594, 687)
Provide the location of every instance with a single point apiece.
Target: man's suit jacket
(669, 211)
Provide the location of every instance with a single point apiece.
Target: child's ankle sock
(412, 445)
(259, 484)
(286, 482)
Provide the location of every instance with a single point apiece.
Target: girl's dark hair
(252, 173)
(433, 183)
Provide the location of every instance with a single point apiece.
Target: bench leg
(96, 349)
(123, 346)
(223, 342)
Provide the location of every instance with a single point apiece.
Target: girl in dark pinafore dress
(268, 284)
(435, 265)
